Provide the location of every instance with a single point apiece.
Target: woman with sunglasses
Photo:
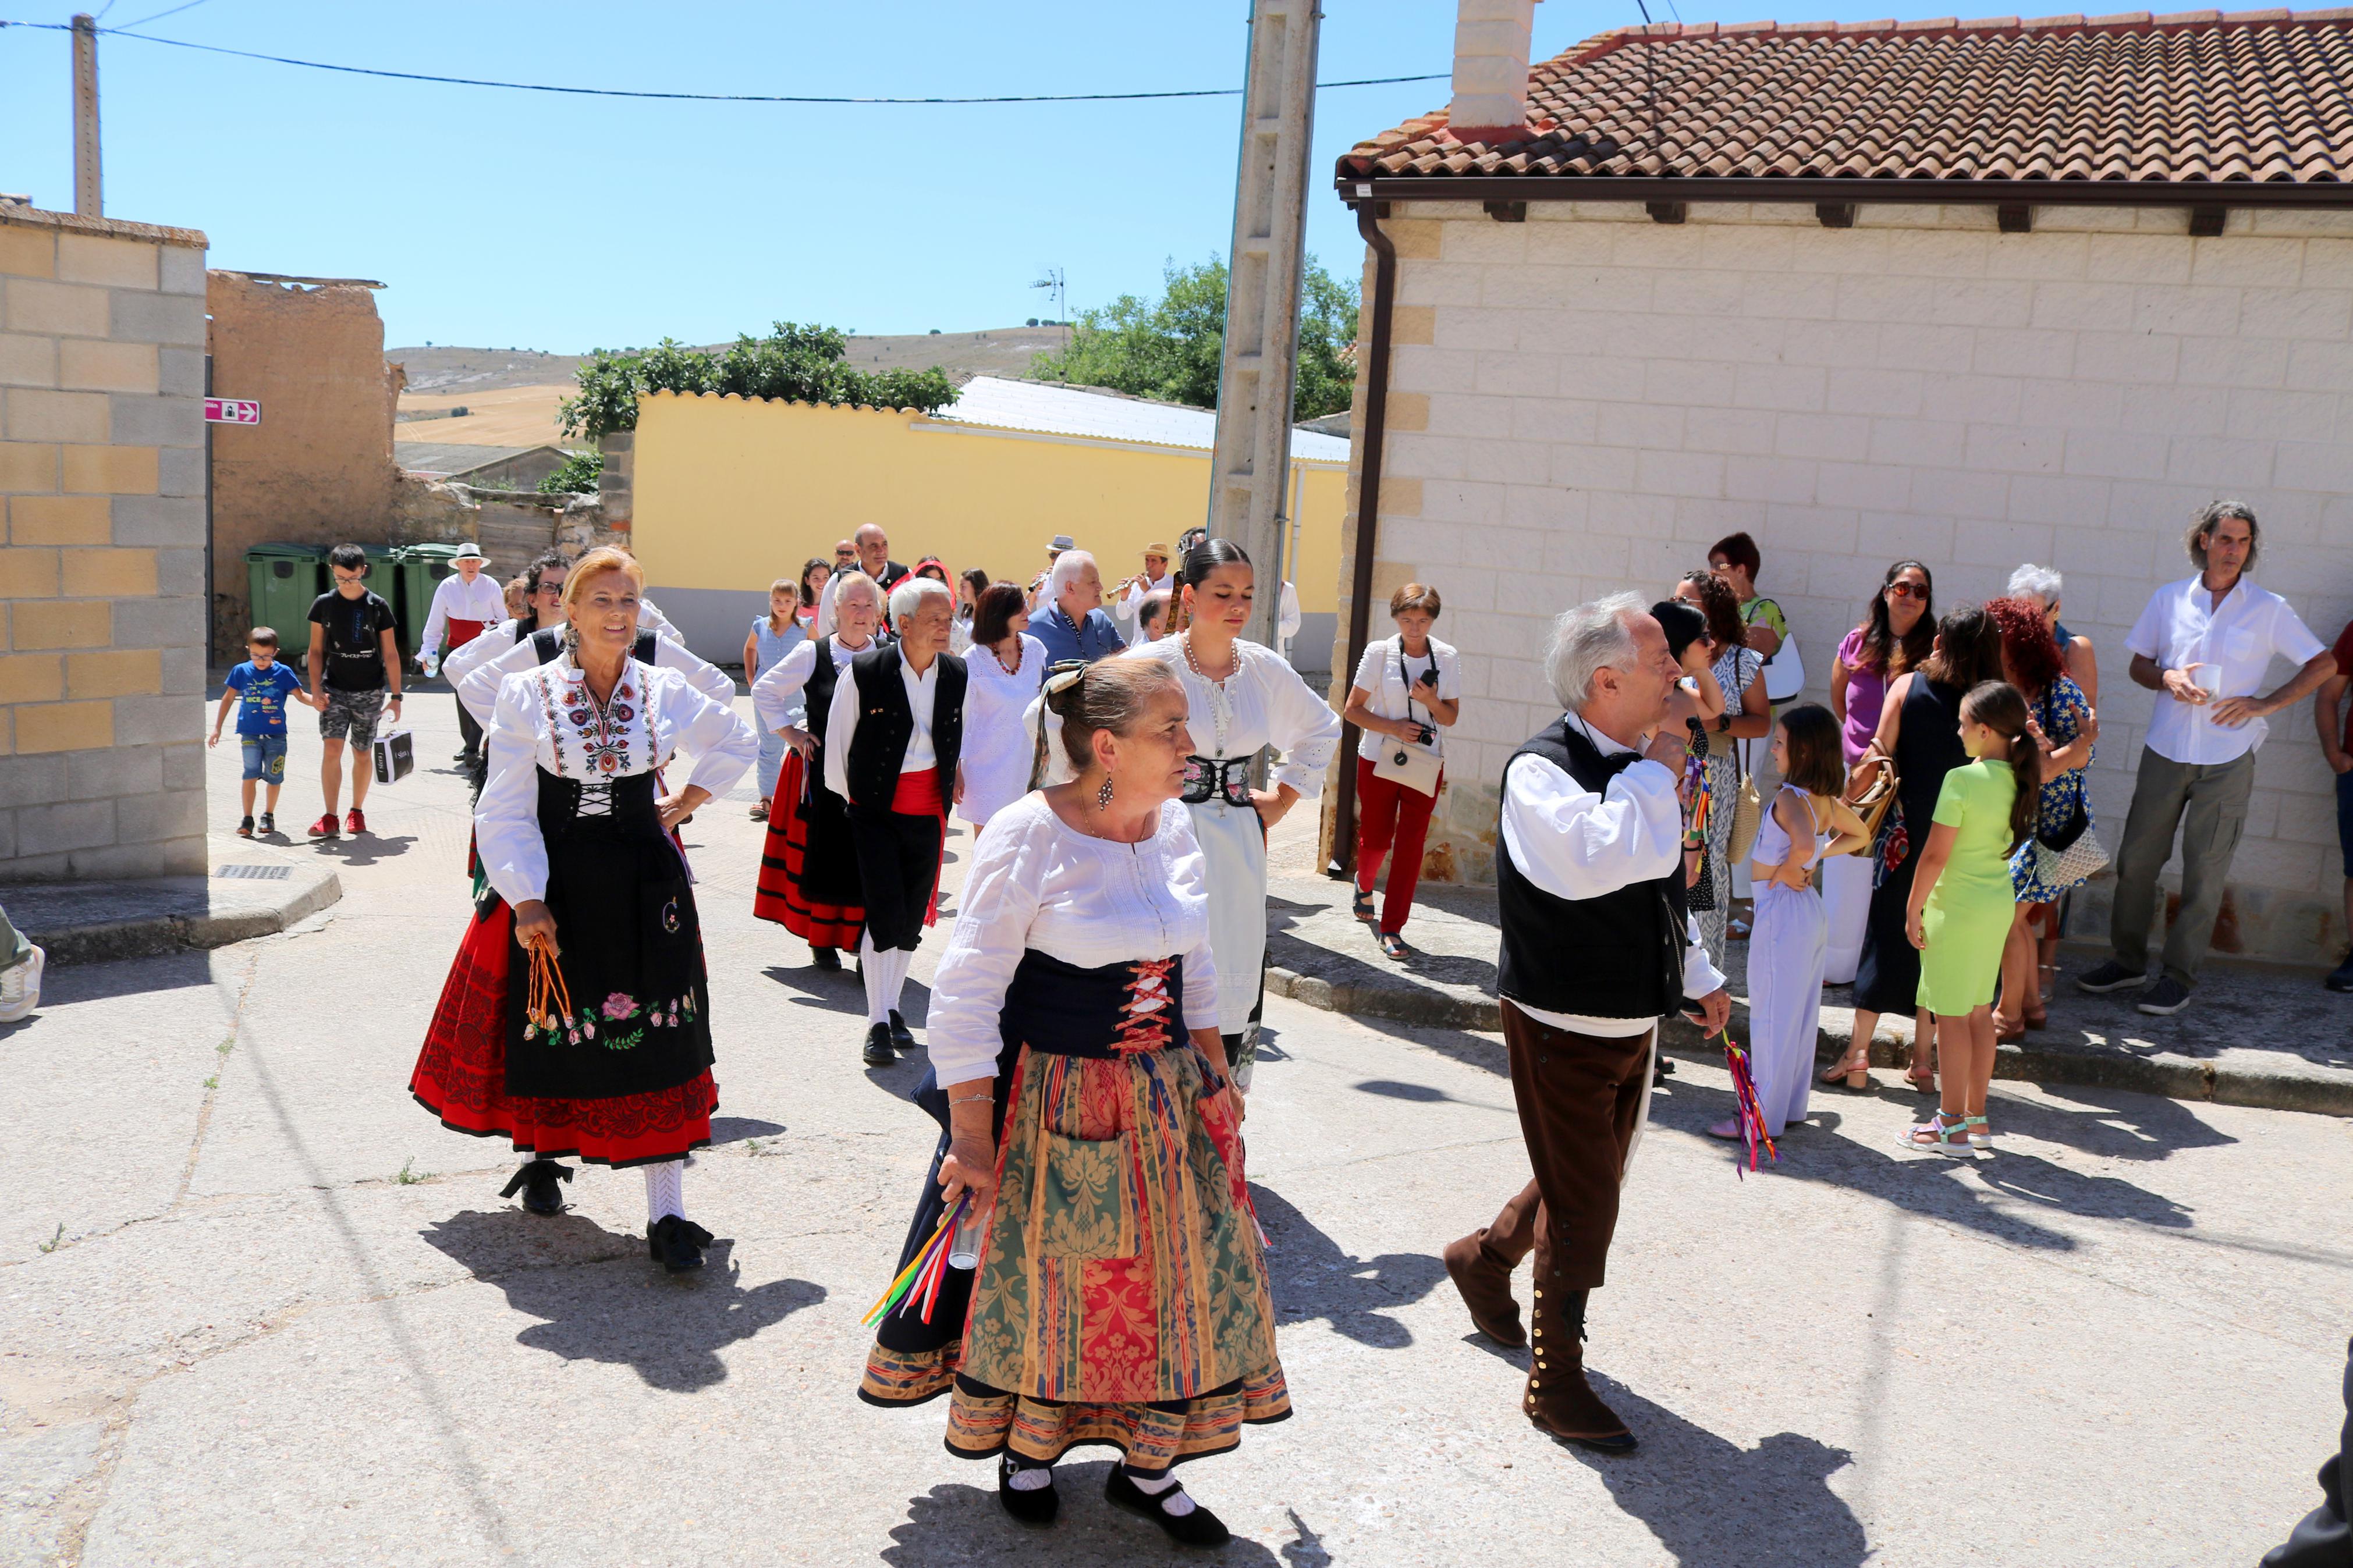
(1895, 637)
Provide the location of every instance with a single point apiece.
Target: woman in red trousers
(1407, 687)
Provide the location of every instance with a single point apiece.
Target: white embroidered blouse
(547, 719)
(1262, 703)
(476, 670)
(1038, 882)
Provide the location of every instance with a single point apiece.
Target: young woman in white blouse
(809, 867)
(1120, 1295)
(576, 1019)
(1406, 689)
(1242, 697)
(1005, 665)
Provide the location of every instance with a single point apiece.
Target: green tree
(1169, 347)
(578, 476)
(805, 365)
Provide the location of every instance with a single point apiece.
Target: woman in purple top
(1895, 637)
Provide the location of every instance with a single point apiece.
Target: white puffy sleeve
(506, 819)
(1188, 876)
(701, 674)
(992, 931)
(776, 695)
(651, 619)
(723, 743)
(479, 671)
(437, 619)
(1575, 844)
(1299, 724)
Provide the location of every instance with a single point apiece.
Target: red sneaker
(324, 827)
(353, 822)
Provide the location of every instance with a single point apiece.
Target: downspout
(1368, 522)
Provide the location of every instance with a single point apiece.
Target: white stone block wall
(1584, 401)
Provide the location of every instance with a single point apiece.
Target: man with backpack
(354, 670)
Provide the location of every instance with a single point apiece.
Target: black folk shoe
(539, 1183)
(902, 1037)
(676, 1243)
(1036, 1507)
(877, 1052)
(1197, 1526)
(826, 958)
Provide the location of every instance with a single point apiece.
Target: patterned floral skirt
(1122, 1296)
(808, 865)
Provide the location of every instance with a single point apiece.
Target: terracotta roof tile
(2194, 96)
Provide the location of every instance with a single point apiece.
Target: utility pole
(86, 183)
(1249, 467)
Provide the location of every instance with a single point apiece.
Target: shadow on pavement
(365, 849)
(1709, 1501)
(959, 1524)
(1312, 1278)
(2113, 1123)
(735, 1128)
(605, 1302)
(122, 977)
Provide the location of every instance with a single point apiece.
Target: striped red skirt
(788, 893)
(461, 1074)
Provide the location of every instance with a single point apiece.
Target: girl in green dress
(1961, 906)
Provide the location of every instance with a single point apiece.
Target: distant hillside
(443, 373)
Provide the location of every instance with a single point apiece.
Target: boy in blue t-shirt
(260, 689)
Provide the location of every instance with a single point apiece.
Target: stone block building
(101, 571)
(1932, 288)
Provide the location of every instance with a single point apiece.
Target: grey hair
(845, 583)
(1065, 570)
(2217, 511)
(1587, 639)
(912, 591)
(2033, 582)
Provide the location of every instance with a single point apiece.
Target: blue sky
(529, 220)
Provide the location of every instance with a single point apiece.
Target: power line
(707, 97)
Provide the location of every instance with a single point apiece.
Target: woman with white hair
(808, 872)
(894, 738)
(2040, 584)
(1072, 624)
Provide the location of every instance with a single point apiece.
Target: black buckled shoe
(540, 1183)
(826, 958)
(878, 1053)
(1196, 1527)
(902, 1037)
(1036, 1507)
(676, 1243)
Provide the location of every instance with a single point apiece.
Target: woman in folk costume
(1120, 1296)
(808, 867)
(1005, 665)
(892, 744)
(1243, 698)
(576, 1019)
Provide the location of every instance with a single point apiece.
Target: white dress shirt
(2181, 626)
(1575, 844)
(478, 670)
(455, 599)
(531, 728)
(841, 726)
(1038, 882)
(1390, 694)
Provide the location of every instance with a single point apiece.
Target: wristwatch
(1724, 723)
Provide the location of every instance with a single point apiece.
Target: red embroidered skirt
(461, 1074)
(808, 905)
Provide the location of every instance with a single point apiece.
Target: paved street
(257, 1307)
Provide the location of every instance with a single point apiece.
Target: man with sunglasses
(354, 669)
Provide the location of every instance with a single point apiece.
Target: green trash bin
(283, 579)
(421, 569)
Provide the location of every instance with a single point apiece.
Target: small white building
(1983, 292)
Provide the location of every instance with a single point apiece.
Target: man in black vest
(891, 741)
(1596, 948)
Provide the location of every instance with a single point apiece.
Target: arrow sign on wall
(232, 411)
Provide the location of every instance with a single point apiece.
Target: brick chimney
(1491, 70)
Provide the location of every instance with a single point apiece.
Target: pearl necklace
(1219, 718)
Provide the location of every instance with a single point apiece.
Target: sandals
(1393, 946)
(1853, 1071)
(1946, 1136)
(1363, 907)
(1980, 1136)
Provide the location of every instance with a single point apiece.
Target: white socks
(665, 1191)
(885, 973)
(1176, 1506)
(1030, 1477)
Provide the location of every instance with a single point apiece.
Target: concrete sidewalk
(2253, 1035)
(256, 887)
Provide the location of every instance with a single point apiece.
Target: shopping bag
(394, 755)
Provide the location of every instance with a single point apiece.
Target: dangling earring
(1103, 795)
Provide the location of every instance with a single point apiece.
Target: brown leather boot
(1559, 1400)
(1485, 1282)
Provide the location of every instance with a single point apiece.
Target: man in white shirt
(466, 604)
(1597, 947)
(873, 558)
(1156, 578)
(2202, 644)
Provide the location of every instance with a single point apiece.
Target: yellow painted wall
(731, 493)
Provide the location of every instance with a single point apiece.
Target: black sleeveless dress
(1927, 747)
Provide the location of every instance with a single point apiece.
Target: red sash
(463, 632)
(918, 793)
